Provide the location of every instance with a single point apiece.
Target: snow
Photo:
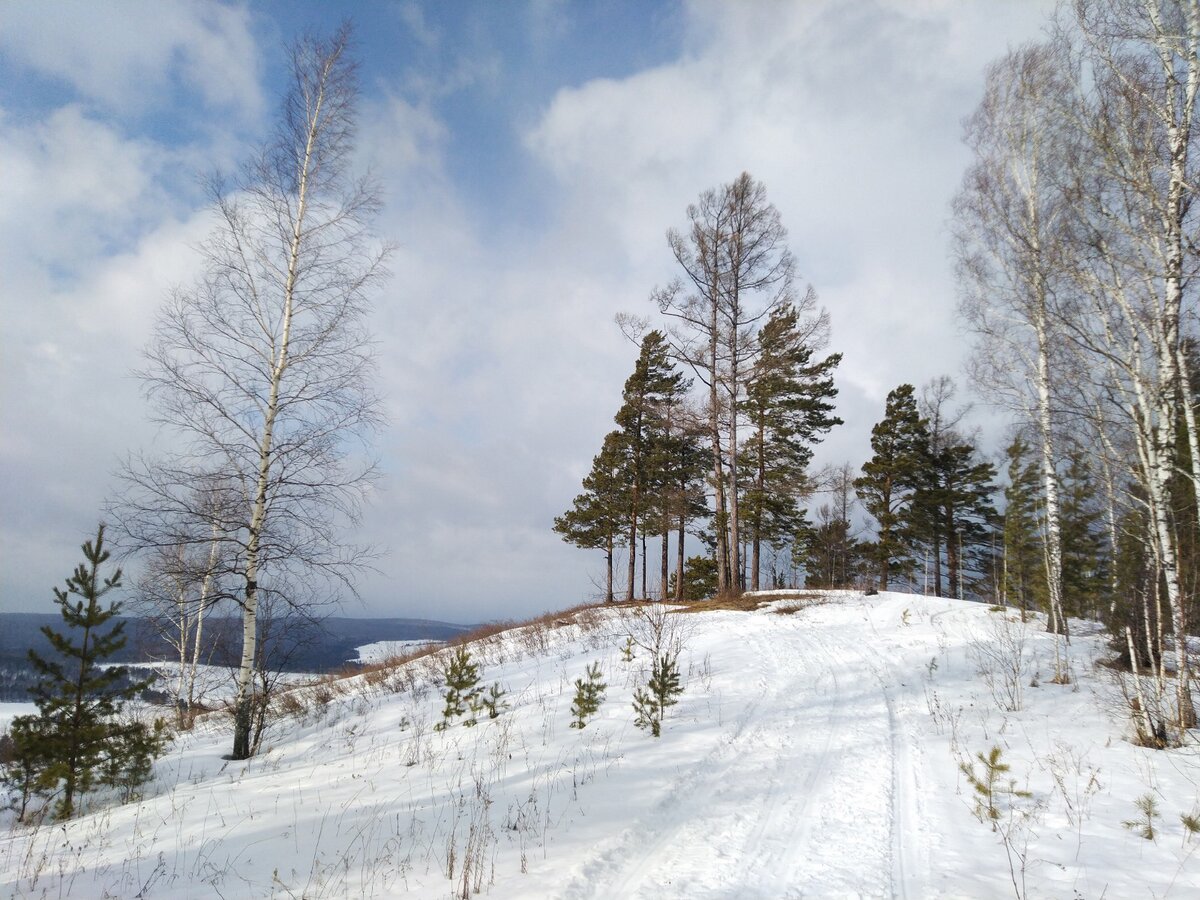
(814, 753)
(381, 651)
(9, 711)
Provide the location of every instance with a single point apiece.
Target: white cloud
(849, 112)
(500, 365)
(73, 187)
(125, 54)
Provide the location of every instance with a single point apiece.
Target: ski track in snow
(791, 792)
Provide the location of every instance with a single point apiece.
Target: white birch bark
(263, 370)
(243, 701)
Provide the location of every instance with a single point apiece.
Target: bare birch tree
(1008, 237)
(263, 371)
(179, 588)
(1133, 240)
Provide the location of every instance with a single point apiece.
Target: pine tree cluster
(465, 696)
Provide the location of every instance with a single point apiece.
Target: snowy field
(380, 651)
(814, 753)
(9, 711)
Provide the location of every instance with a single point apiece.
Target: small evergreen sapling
(1191, 824)
(589, 694)
(650, 702)
(77, 736)
(493, 701)
(1144, 824)
(627, 650)
(990, 788)
(462, 688)
(22, 764)
(464, 693)
(132, 748)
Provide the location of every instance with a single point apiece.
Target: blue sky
(532, 156)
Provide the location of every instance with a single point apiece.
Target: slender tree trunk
(608, 559)
(645, 592)
(735, 545)
(937, 563)
(885, 536)
(634, 510)
(679, 554)
(666, 553)
(244, 701)
(721, 513)
(1187, 714)
(201, 609)
(1056, 621)
(952, 562)
(759, 482)
(184, 634)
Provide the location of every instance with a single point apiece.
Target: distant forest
(316, 647)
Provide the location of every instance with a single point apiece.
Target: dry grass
(585, 615)
(788, 603)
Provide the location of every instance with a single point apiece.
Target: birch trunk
(244, 701)
(201, 607)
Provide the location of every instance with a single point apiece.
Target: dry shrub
(323, 693)
(409, 671)
(291, 706)
(376, 675)
(748, 602)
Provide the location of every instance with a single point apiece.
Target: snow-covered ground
(380, 651)
(814, 753)
(9, 711)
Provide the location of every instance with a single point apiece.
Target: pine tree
(1084, 546)
(650, 703)
(828, 551)
(699, 579)
(788, 403)
(589, 694)
(650, 391)
(1024, 577)
(77, 736)
(25, 763)
(889, 479)
(682, 499)
(597, 516)
(462, 688)
(951, 509)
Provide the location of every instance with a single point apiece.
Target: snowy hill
(815, 752)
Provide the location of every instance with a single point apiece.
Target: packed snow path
(814, 753)
(805, 792)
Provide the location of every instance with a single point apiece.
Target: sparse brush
(323, 694)
(1144, 825)
(589, 694)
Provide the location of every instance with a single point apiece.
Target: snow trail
(804, 793)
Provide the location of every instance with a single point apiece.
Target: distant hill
(310, 647)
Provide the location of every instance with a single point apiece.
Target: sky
(532, 155)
